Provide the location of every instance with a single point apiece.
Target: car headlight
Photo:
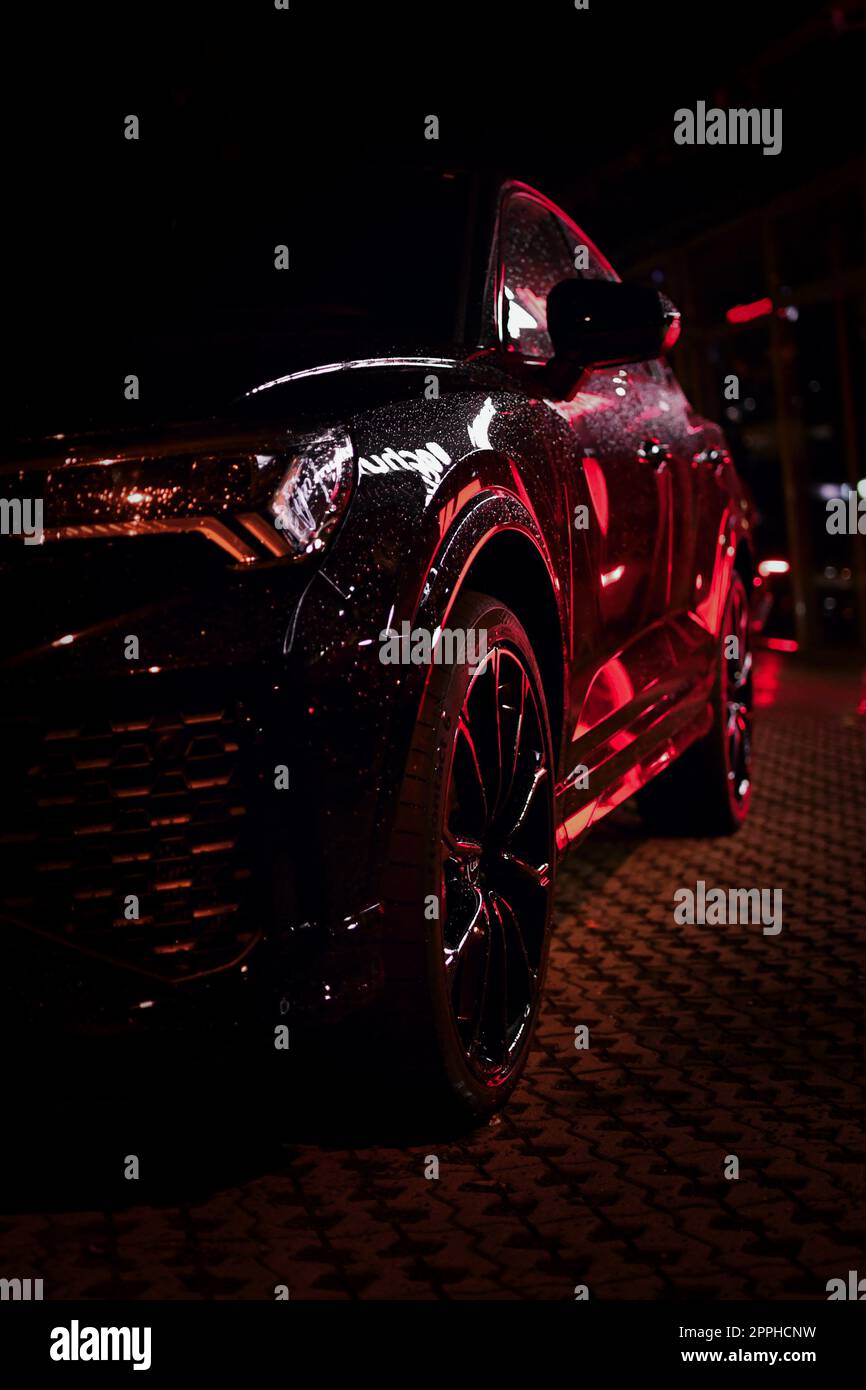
(315, 490)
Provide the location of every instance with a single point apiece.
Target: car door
(664, 427)
(620, 476)
(624, 457)
(695, 460)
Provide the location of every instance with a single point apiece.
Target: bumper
(153, 877)
(152, 872)
(314, 975)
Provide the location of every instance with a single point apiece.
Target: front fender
(401, 557)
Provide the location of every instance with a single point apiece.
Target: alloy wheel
(738, 699)
(497, 870)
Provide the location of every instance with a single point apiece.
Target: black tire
(708, 790)
(493, 890)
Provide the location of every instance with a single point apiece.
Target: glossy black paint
(282, 656)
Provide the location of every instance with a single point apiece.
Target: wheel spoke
(741, 675)
(539, 776)
(516, 711)
(481, 1001)
(498, 724)
(455, 956)
(460, 847)
(500, 955)
(539, 876)
(517, 932)
(464, 731)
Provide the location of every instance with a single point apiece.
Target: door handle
(655, 452)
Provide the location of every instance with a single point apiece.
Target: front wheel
(470, 881)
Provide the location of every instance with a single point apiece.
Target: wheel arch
(509, 567)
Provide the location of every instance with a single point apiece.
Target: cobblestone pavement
(607, 1167)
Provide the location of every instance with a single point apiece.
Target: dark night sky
(237, 104)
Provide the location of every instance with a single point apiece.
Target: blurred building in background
(774, 303)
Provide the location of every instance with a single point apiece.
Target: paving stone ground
(607, 1167)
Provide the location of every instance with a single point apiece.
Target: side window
(535, 257)
(592, 264)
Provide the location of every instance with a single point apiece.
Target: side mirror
(605, 323)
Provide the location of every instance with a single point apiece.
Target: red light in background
(744, 313)
(782, 644)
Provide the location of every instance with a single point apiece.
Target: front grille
(70, 585)
(152, 801)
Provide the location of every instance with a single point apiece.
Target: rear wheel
(469, 886)
(709, 789)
